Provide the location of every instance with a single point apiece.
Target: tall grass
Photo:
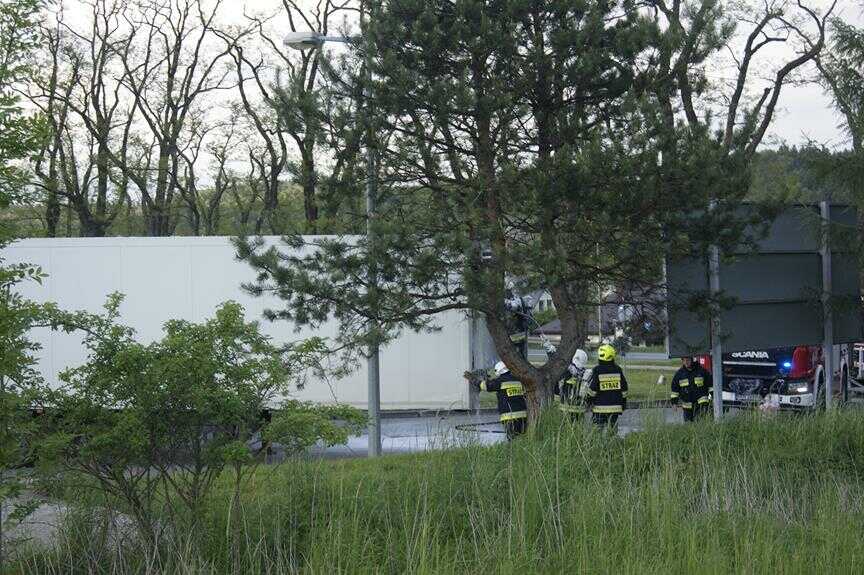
(752, 495)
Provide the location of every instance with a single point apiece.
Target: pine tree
(534, 144)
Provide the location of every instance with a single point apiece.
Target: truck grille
(745, 386)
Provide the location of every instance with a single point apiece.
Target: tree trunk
(52, 210)
(102, 178)
(52, 202)
(537, 396)
(68, 221)
(271, 205)
(90, 227)
(157, 224)
(310, 204)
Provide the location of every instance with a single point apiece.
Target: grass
(649, 349)
(643, 384)
(676, 363)
(754, 495)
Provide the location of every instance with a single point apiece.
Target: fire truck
(788, 378)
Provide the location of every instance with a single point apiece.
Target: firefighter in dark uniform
(607, 392)
(573, 386)
(511, 400)
(691, 389)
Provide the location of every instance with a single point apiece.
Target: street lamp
(313, 40)
(304, 40)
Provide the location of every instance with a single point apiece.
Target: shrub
(153, 425)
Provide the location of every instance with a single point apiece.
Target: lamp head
(302, 40)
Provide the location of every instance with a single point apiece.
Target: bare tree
(170, 62)
(281, 91)
(695, 30)
(204, 204)
(56, 112)
(269, 166)
(86, 115)
(246, 194)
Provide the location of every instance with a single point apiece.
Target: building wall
(188, 277)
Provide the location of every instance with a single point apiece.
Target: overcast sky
(804, 112)
(807, 112)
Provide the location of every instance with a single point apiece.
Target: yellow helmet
(606, 352)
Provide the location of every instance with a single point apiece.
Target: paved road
(651, 367)
(410, 434)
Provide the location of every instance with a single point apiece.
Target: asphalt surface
(418, 433)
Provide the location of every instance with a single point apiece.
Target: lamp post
(313, 40)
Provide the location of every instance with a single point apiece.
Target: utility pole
(373, 361)
(306, 40)
(373, 369)
(716, 344)
(827, 315)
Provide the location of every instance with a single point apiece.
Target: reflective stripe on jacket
(607, 391)
(510, 395)
(691, 387)
(571, 390)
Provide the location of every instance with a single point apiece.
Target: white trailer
(188, 277)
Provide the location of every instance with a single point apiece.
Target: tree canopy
(561, 144)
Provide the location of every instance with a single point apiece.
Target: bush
(153, 425)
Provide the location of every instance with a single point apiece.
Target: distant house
(608, 319)
(635, 312)
(542, 300)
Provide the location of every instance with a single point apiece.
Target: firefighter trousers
(606, 420)
(515, 427)
(699, 411)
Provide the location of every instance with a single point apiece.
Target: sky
(804, 113)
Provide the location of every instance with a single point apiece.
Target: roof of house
(551, 328)
(610, 319)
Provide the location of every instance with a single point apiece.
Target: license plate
(748, 398)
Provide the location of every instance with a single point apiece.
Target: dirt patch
(38, 529)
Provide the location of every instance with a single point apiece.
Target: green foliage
(17, 373)
(545, 316)
(19, 134)
(20, 382)
(523, 151)
(842, 70)
(300, 425)
(841, 173)
(153, 425)
(755, 495)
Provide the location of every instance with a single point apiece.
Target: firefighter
(691, 388)
(511, 399)
(573, 387)
(607, 390)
